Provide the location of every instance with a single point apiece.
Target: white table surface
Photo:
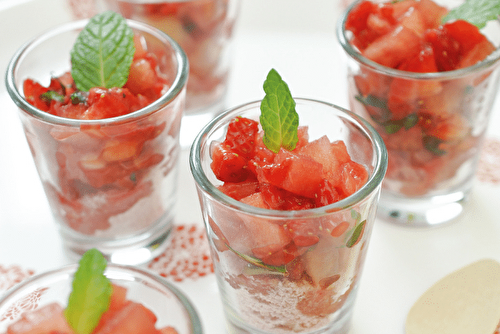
(298, 39)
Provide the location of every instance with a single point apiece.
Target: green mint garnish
(52, 95)
(476, 12)
(432, 143)
(278, 118)
(90, 295)
(103, 52)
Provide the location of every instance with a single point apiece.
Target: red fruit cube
(354, 176)
(241, 134)
(239, 190)
(267, 236)
(131, 319)
(228, 166)
(393, 48)
(296, 173)
(45, 319)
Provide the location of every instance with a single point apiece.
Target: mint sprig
(103, 52)
(476, 12)
(90, 295)
(278, 118)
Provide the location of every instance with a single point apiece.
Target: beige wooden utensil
(466, 301)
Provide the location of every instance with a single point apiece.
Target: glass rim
(369, 187)
(173, 91)
(70, 269)
(483, 65)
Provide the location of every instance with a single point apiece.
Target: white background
(297, 38)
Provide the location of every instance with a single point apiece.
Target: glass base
(421, 212)
(339, 323)
(132, 251)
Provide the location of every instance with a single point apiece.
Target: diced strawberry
(326, 194)
(478, 53)
(357, 23)
(240, 136)
(465, 33)
(32, 93)
(228, 166)
(110, 103)
(280, 199)
(452, 128)
(446, 49)
(303, 233)
(279, 257)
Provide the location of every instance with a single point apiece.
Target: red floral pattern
(29, 302)
(489, 162)
(188, 255)
(9, 276)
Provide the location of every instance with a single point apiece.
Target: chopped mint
(357, 234)
(476, 12)
(52, 95)
(103, 52)
(91, 293)
(278, 117)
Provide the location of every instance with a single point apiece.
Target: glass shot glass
(432, 123)
(204, 30)
(110, 183)
(41, 292)
(315, 291)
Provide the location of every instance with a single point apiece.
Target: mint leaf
(476, 12)
(278, 117)
(91, 293)
(103, 52)
(357, 234)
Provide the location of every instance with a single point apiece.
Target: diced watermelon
(432, 12)
(238, 190)
(44, 320)
(322, 261)
(391, 49)
(267, 236)
(168, 330)
(131, 319)
(354, 176)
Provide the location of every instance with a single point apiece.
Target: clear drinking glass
(434, 139)
(315, 292)
(110, 183)
(170, 306)
(204, 30)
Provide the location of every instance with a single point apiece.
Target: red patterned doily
(30, 302)
(488, 169)
(188, 255)
(9, 276)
